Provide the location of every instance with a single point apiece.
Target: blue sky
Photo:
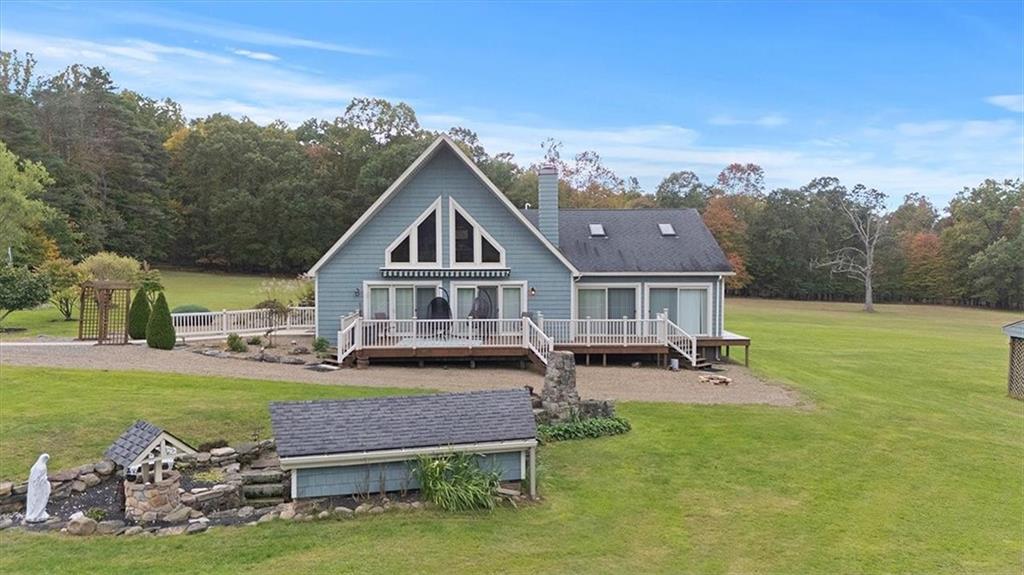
(905, 97)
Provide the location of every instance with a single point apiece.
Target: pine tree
(138, 315)
(160, 330)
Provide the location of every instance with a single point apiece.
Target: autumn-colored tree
(730, 232)
(924, 277)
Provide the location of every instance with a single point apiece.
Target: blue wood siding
(395, 476)
(446, 176)
(652, 281)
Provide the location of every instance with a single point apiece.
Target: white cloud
(1011, 102)
(236, 33)
(767, 121)
(936, 158)
(262, 56)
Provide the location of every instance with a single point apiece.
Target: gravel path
(613, 382)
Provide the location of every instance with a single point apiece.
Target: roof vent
(667, 229)
(597, 231)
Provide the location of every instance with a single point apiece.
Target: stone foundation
(148, 502)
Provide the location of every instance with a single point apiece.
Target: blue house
(444, 265)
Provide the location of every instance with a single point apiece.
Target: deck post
(526, 331)
(746, 356)
(224, 321)
(533, 473)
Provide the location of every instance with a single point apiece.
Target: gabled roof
(396, 186)
(1015, 329)
(633, 242)
(326, 427)
(138, 440)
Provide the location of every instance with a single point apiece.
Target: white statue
(38, 492)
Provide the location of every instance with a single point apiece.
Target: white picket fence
(240, 321)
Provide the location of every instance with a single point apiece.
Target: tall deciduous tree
(22, 183)
(682, 190)
(863, 208)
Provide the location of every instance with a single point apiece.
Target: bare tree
(863, 207)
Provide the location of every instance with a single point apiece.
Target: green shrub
(138, 315)
(254, 340)
(189, 308)
(236, 343)
(65, 280)
(160, 330)
(583, 429)
(320, 344)
(456, 483)
(21, 289)
(106, 266)
(96, 514)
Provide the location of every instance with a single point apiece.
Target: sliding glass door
(687, 306)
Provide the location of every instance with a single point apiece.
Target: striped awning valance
(444, 273)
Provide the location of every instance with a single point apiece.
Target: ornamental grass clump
(583, 429)
(456, 482)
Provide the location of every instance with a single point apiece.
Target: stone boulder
(81, 525)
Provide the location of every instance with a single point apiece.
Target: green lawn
(211, 290)
(909, 461)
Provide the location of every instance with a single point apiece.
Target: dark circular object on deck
(439, 309)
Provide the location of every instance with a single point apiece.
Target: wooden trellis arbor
(103, 311)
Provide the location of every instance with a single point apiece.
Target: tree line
(89, 167)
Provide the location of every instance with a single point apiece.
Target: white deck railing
(540, 338)
(240, 321)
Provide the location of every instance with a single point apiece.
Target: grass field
(909, 461)
(214, 291)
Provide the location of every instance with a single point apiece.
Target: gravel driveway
(613, 382)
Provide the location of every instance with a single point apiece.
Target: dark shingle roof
(633, 242)
(132, 442)
(354, 425)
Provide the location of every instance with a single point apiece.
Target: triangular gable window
(470, 244)
(418, 245)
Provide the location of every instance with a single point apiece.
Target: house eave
(386, 455)
(659, 274)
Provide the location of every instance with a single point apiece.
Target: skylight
(597, 231)
(667, 229)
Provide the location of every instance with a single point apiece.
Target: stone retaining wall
(62, 484)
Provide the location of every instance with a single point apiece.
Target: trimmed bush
(583, 429)
(320, 344)
(138, 315)
(236, 343)
(160, 330)
(456, 483)
(189, 308)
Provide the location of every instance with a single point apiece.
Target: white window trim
(411, 233)
(523, 294)
(707, 286)
(392, 285)
(604, 286)
(478, 232)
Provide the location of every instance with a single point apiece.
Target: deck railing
(605, 332)
(240, 321)
(540, 338)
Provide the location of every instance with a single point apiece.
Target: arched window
(418, 245)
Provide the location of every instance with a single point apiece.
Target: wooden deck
(521, 339)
